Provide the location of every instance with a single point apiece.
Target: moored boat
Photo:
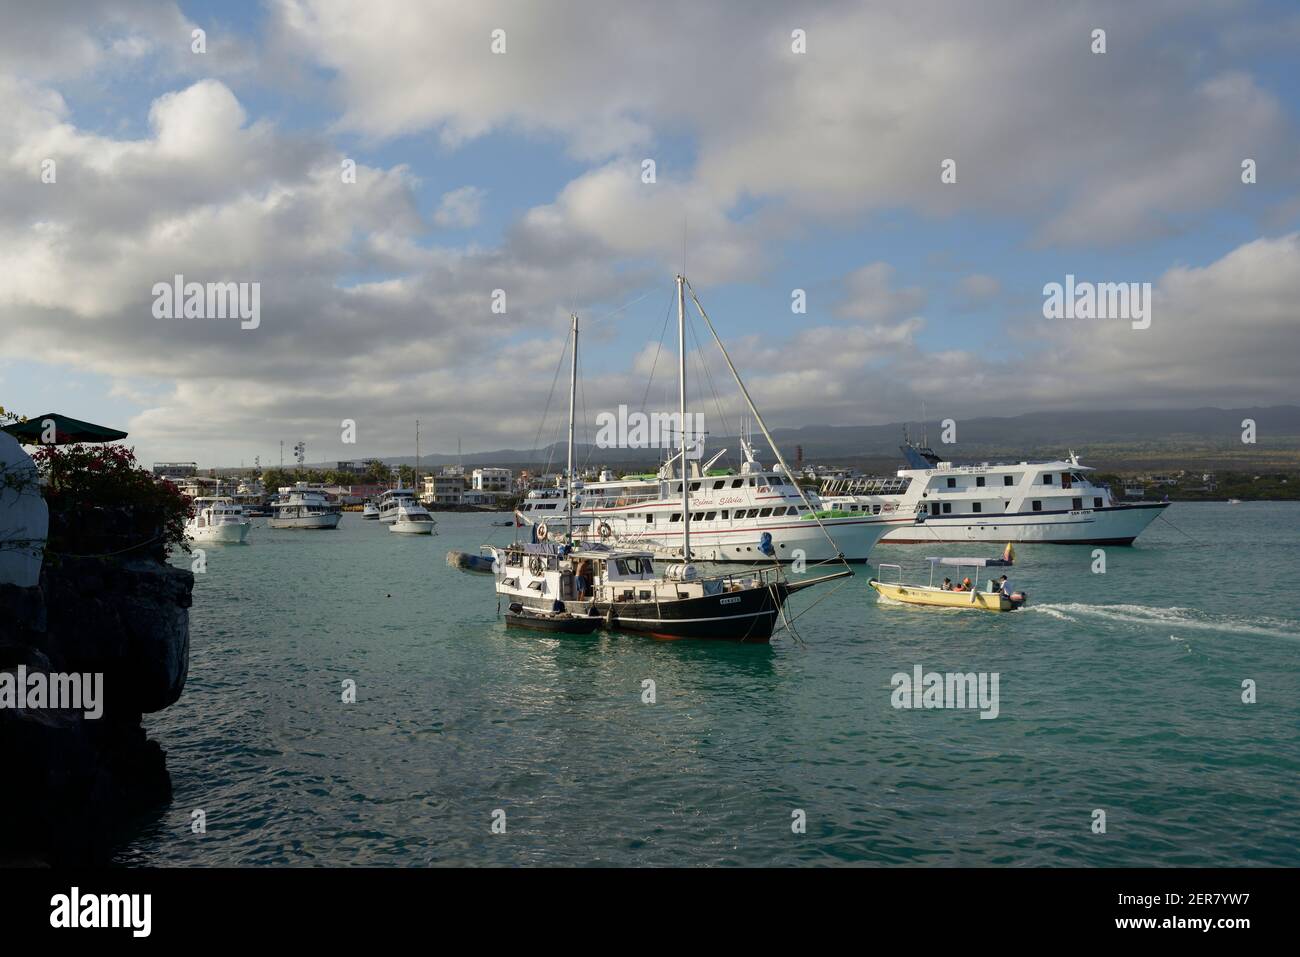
(521, 616)
(412, 518)
(217, 520)
(304, 506)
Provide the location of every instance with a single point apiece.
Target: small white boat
(1234, 501)
(412, 518)
(370, 510)
(217, 520)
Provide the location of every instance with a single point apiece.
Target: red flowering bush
(101, 502)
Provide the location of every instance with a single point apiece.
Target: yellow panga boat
(940, 597)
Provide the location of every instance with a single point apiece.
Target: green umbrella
(67, 430)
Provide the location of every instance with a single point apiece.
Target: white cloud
(460, 208)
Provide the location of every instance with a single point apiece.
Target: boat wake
(1176, 618)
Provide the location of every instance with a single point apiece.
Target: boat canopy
(972, 562)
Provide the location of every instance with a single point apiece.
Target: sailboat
(620, 585)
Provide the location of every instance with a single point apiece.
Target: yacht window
(947, 508)
(751, 483)
(1096, 503)
(726, 513)
(676, 517)
(764, 513)
(695, 486)
(979, 481)
(934, 508)
(1047, 478)
(875, 510)
(777, 480)
(697, 516)
(976, 507)
(952, 483)
(737, 483)
(1038, 506)
(1076, 503)
(711, 516)
(718, 485)
(1006, 480)
(649, 518)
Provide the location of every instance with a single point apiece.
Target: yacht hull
(793, 541)
(1115, 525)
(328, 520)
(228, 533)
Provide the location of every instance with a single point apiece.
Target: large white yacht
(731, 513)
(1052, 502)
(217, 519)
(304, 506)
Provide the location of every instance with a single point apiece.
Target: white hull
(793, 540)
(326, 520)
(227, 533)
(1116, 525)
(411, 528)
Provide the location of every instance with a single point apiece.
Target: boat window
(976, 507)
(718, 485)
(947, 507)
(764, 513)
(695, 486)
(776, 480)
(1076, 503)
(1006, 480)
(952, 483)
(737, 483)
(751, 483)
(1038, 506)
(676, 517)
(934, 508)
(711, 516)
(979, 481)
(1096, 503)
(1047, 478)
(875, 510)
(649, 518)
(726, 513)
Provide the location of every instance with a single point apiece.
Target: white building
(491, 480)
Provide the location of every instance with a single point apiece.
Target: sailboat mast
(573, 394)
(681, 422)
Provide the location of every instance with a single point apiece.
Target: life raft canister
(605, 531)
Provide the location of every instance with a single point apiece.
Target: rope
(1177, 529)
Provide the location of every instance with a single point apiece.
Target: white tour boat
(370, 510)
(412, 518)
(393, 500)
(217, 520)
(1052, 502)
(733, 514)
(304, 506)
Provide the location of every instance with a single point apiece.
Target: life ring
(605, 531)
(541, 531)
(535, 565)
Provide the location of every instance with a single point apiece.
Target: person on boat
(1006, 588)
(582, 580)
(947, 584)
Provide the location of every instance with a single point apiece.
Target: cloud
(460, 207)
(1102, 149)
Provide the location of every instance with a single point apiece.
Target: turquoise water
(1119, 692)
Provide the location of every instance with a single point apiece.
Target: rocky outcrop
(72, 782)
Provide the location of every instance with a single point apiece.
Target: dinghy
(990, 598)
(521, 616)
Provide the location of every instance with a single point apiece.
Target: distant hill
(1119, 439)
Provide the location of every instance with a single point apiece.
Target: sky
(796, 146)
